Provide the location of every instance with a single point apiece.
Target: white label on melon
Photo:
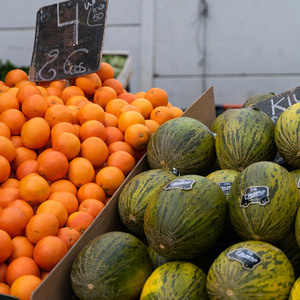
(182, 183)
(255, 195)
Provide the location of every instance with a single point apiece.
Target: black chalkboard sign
(276, 105)
(68, 39)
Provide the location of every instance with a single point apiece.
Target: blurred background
(241, 48)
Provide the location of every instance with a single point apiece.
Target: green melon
(136, 195)
(263, 202)
(224, 178)
(295, 291)
(114, 265)
(291, 249)
(257, 99)
(287, 135)
(175, 280)
(185, 218)
(220, 119)
(250, 270)
(246, 136)
(184, 144)
(297, 227)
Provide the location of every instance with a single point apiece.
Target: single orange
(114, 106)
(22, 247)
(91, 206)
(110, 178)
(113, 134)
(152, 125)
(91, 111)
(177, 111)
(34, 106)
(63, 185)
(110, 120)
(128, 118)
(5, 246)
(14, 119)
(103, 95)
(25, 91)
(58, 113)
(8, 195)
(90, 190)
(129, 97)
(41, 225)
(53, 100)
(7, 148)
(8, 100)
(162, 114)
(24, 206)
(89, 83)
(4, 130)
(70, 91)
(122, 160)
(14, 76)
(68, 199)
(92, 128)
(137, 136)
(10, 182)
(69, 235)
(80, 220)
(26, 167)
(157, 96)
(115, 84)
(62, 127)
(106, 71)
(120, 145)
(144, 105)
(5, 169)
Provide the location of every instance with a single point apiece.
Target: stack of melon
(216, 213)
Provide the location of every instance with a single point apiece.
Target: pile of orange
(65, 148)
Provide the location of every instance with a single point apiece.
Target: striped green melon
(220, 119)
(295, 291)
(184, 144)
(246, 136)
(250, 270)
(136, 195)
(257, 99)
(224, 178)
(291, 249)
(114, 265)
(175, 280)
(263, 202)
(297, 227)
(185, 218)
(287, 135)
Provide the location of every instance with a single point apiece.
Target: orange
(21, 266)
(34, 189)
(128, 118)
(162, 114)
(114, 106)
(68, 199)
(49, 251)
(10, 182)
(70, 91)
(122, 160)
(4, 288)
(140, 94)
(75, 109)
(115, 84)
(80, 220)
(89, 83)
(58, 113)
(106, 71)
(34, 106)
(90, 190)
(113, 134)
(67, 143)
(4, 130)
(43, 91)
(3, 88)
(35, 133)
(128, 107)
(25, 82)
(17, 140)
(177, 111)
(91, 206)
(120, 145)
(8, 100)
(77, 100)
(7, 148)
(13, 90)
(53, 100)
(129, 97)
(13, 220)
(24, 286)
(53, 91)
(80, 171)
(60, 83)
(144, 105)
(8, 195)
(56, 208)
(14, 119)
(62, 127)
(95, 150)
(103, 95)
(3, 268)
(109, 120)
(110, 178)
(92, 128)
(5, 169)
(22, 154)
(41, 225)
(27, 90)
(91, 111)
(152, 125)
(157, 96)
(22, 247)
(5, 246)
(52, 165)
(14, 76)
(63, 185)
(26, 167)
(69, 235)
(24, 206)
(137, 136)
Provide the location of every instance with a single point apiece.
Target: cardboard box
(57, 284)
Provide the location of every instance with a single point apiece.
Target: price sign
(68, 39)
(276, 105)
